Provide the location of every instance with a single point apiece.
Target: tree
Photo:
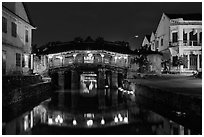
(89, 39)
(99, 40)
(34, 48)
(78, 39)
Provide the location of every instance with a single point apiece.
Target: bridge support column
(114, 97)
(114, 80)
(61, 79)
(101, 78)
(75, 80)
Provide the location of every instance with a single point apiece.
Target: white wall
(13, 45)
(163, 32)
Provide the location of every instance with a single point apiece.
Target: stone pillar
(61, 79)
(31, 62)
(114, 97)
(114, 80)
(75, 80)
(101, 78)
(181, 130)
(101, 98)
(198, 62)
(188, 56)
(61, 99)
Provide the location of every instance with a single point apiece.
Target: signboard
(89, 58)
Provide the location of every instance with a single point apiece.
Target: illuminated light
(125, 119)
(26, 122)
(120, 88)
(102, 121)
(50, 121)
(120, 117)
(61, 120)
(59, 57)
(74, 122)
(56, 120)
(106, 86)
(116, 119)
(131, 92)
(89, 122)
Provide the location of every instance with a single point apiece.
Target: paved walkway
(174, 83)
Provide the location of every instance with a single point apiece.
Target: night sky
(116, 21)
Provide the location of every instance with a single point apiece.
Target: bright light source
(102, 121)
(116, 119)
(120, 117)
(61, 120)
(89, 122)
(50, 121)
(106, 86)
(131, 92)
(125, 119)
(74, 122)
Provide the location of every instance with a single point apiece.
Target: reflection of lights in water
(74, 122)
(116, 119)
(89, 122)
(26, 122)
(102, 121)
(120, 117)
(59, 119)
(50, 121)
(125, 119)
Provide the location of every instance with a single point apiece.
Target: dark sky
(63, 21)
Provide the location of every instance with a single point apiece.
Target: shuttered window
(4, 25)
(18, 59)
(13, 29)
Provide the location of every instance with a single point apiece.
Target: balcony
(185, 43)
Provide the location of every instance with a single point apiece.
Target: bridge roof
(69, 46)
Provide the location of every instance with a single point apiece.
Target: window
(162, 42)
(174, 37)
(200, 37)
(184, 36)
(193, 61)
(26, 35)
(18, 59)
(3, 62)
(175, 60)
(200, 57)
(4, 25)
(13, 29)
(185, 61)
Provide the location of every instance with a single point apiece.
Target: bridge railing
(111, 64)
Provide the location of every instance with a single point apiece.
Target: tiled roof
(148, 37)
(69, 46)
(192, 16)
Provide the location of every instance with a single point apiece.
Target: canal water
(100, 112)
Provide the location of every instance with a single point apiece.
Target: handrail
(186, 43)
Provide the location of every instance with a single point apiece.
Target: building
(149, 51)
(16, 39)
(146, 41)
(92, 64)
(179, 38)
